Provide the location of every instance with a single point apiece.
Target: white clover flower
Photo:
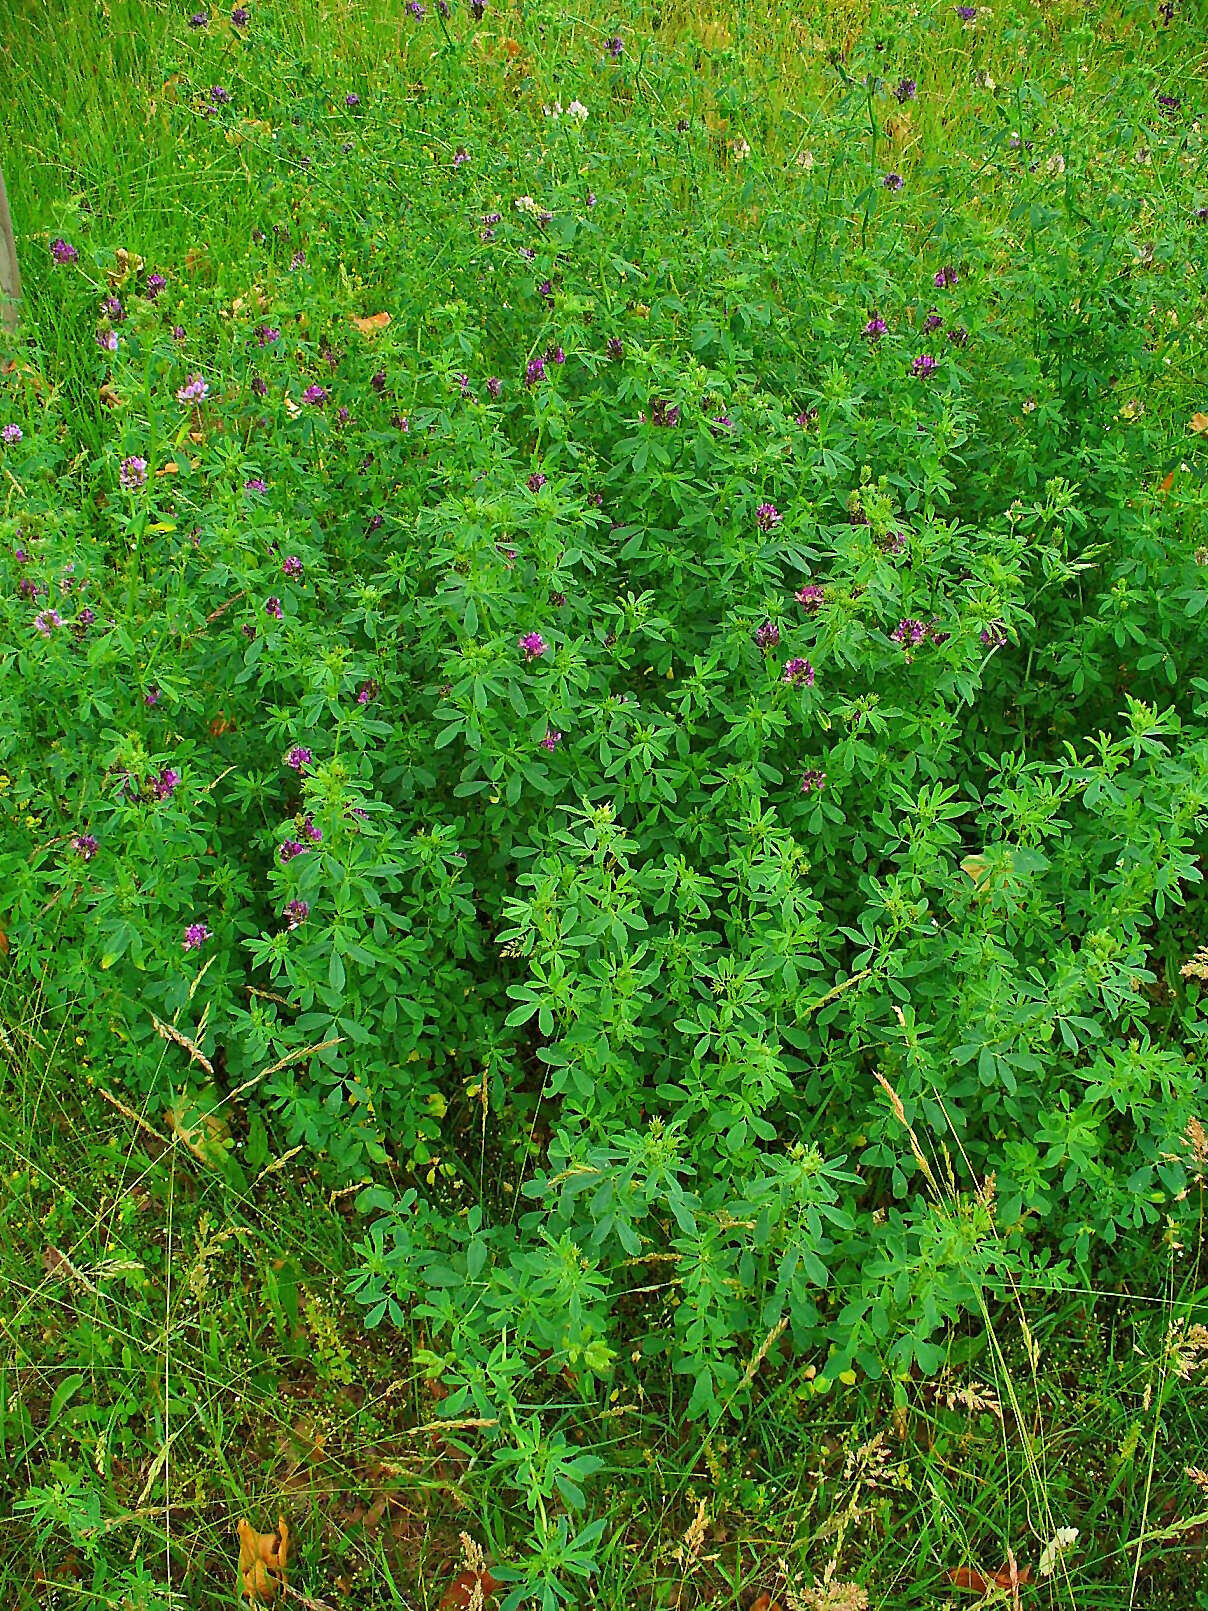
(740, 148)
(526, 204)
(805, 159)
(554, 111)
(578, 111)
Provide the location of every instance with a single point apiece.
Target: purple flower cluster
(923, 365)
(240, 17)
(534, 371)
(994, 636)
(292, 566)
(315, 394)
(132, 473)
(84, 845)
(799, 673)
(494, 385)
(11, 434)
(195, 390)
(533, 645)
(811, 597)
(767, 635)
(893, 181)
(196, 936)
(536, 481)
(166, 784)
(273, 607)
(298, 757)
(155, 284)
(64, 252)
(767, 516)
(875, 328)
(295, 913)
(909, 632)
(664, 413)
(906, 90)
(811, 780)
(551, 740)
(945, 277)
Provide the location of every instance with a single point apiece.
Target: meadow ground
(186, 1263)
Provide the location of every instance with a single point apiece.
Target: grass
(175, 1353)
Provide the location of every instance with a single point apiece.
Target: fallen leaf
(109, 397)
(460, 1593)
(263, 1559)
(765, 1602)
(171, 468)
(1167, 482)
(372, 324)
(221, 724)
(1199, 423)
(968, 1577)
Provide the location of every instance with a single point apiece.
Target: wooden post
(10, 279)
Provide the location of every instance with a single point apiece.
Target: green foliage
(695, 810)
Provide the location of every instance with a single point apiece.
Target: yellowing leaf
(263, 1559)
(372, 324)
(195, 1120)
(1199, 423)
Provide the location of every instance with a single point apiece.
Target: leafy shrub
(681, 750)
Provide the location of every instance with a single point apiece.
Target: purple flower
(893, 181)
(416, 10)
(106, 340)
(295, 913)
(155, 284)
(314, 395)
(289, 848)
(494, 385)
(86, 617)
(199, 19)
(555, 355)
(64, 252)
(12, 434)
(767, 635)
(241, 16)
(273, 608)
(875, 328)
(298, 757)
(720, 424)
(267, 334)
(932, 321)
(615, 348)
(664, 413)
(292, 565)
(909, 632)
(893, 543)
(1169, 103)
(811, 597)
(614, 47)
(958, 336)
(478, 9)
(194, 390)
(534, 371)
(255, 484)
(196, 936)
(46, 621)
(259, 386)
(132, 473)
(298, 260)
(219, 95)
(112, 308)
(151, 697)
(906, 90)
(811, 780)
(367, 692)
(558, 600)
(376, 522)
(551, 740)
(178, 332)
(994, 636)
(924, 364)
(534, 645)
(165, 785)
(460, 155)
(536, 481)
(378, 381)
(315, 835)
(767, 515)
(84, 846)
(400, 422)
(352, 99)
(546, 290)
(591, 198)
(797, 672)
(945, 277)
(934, 632)
(966, 13)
